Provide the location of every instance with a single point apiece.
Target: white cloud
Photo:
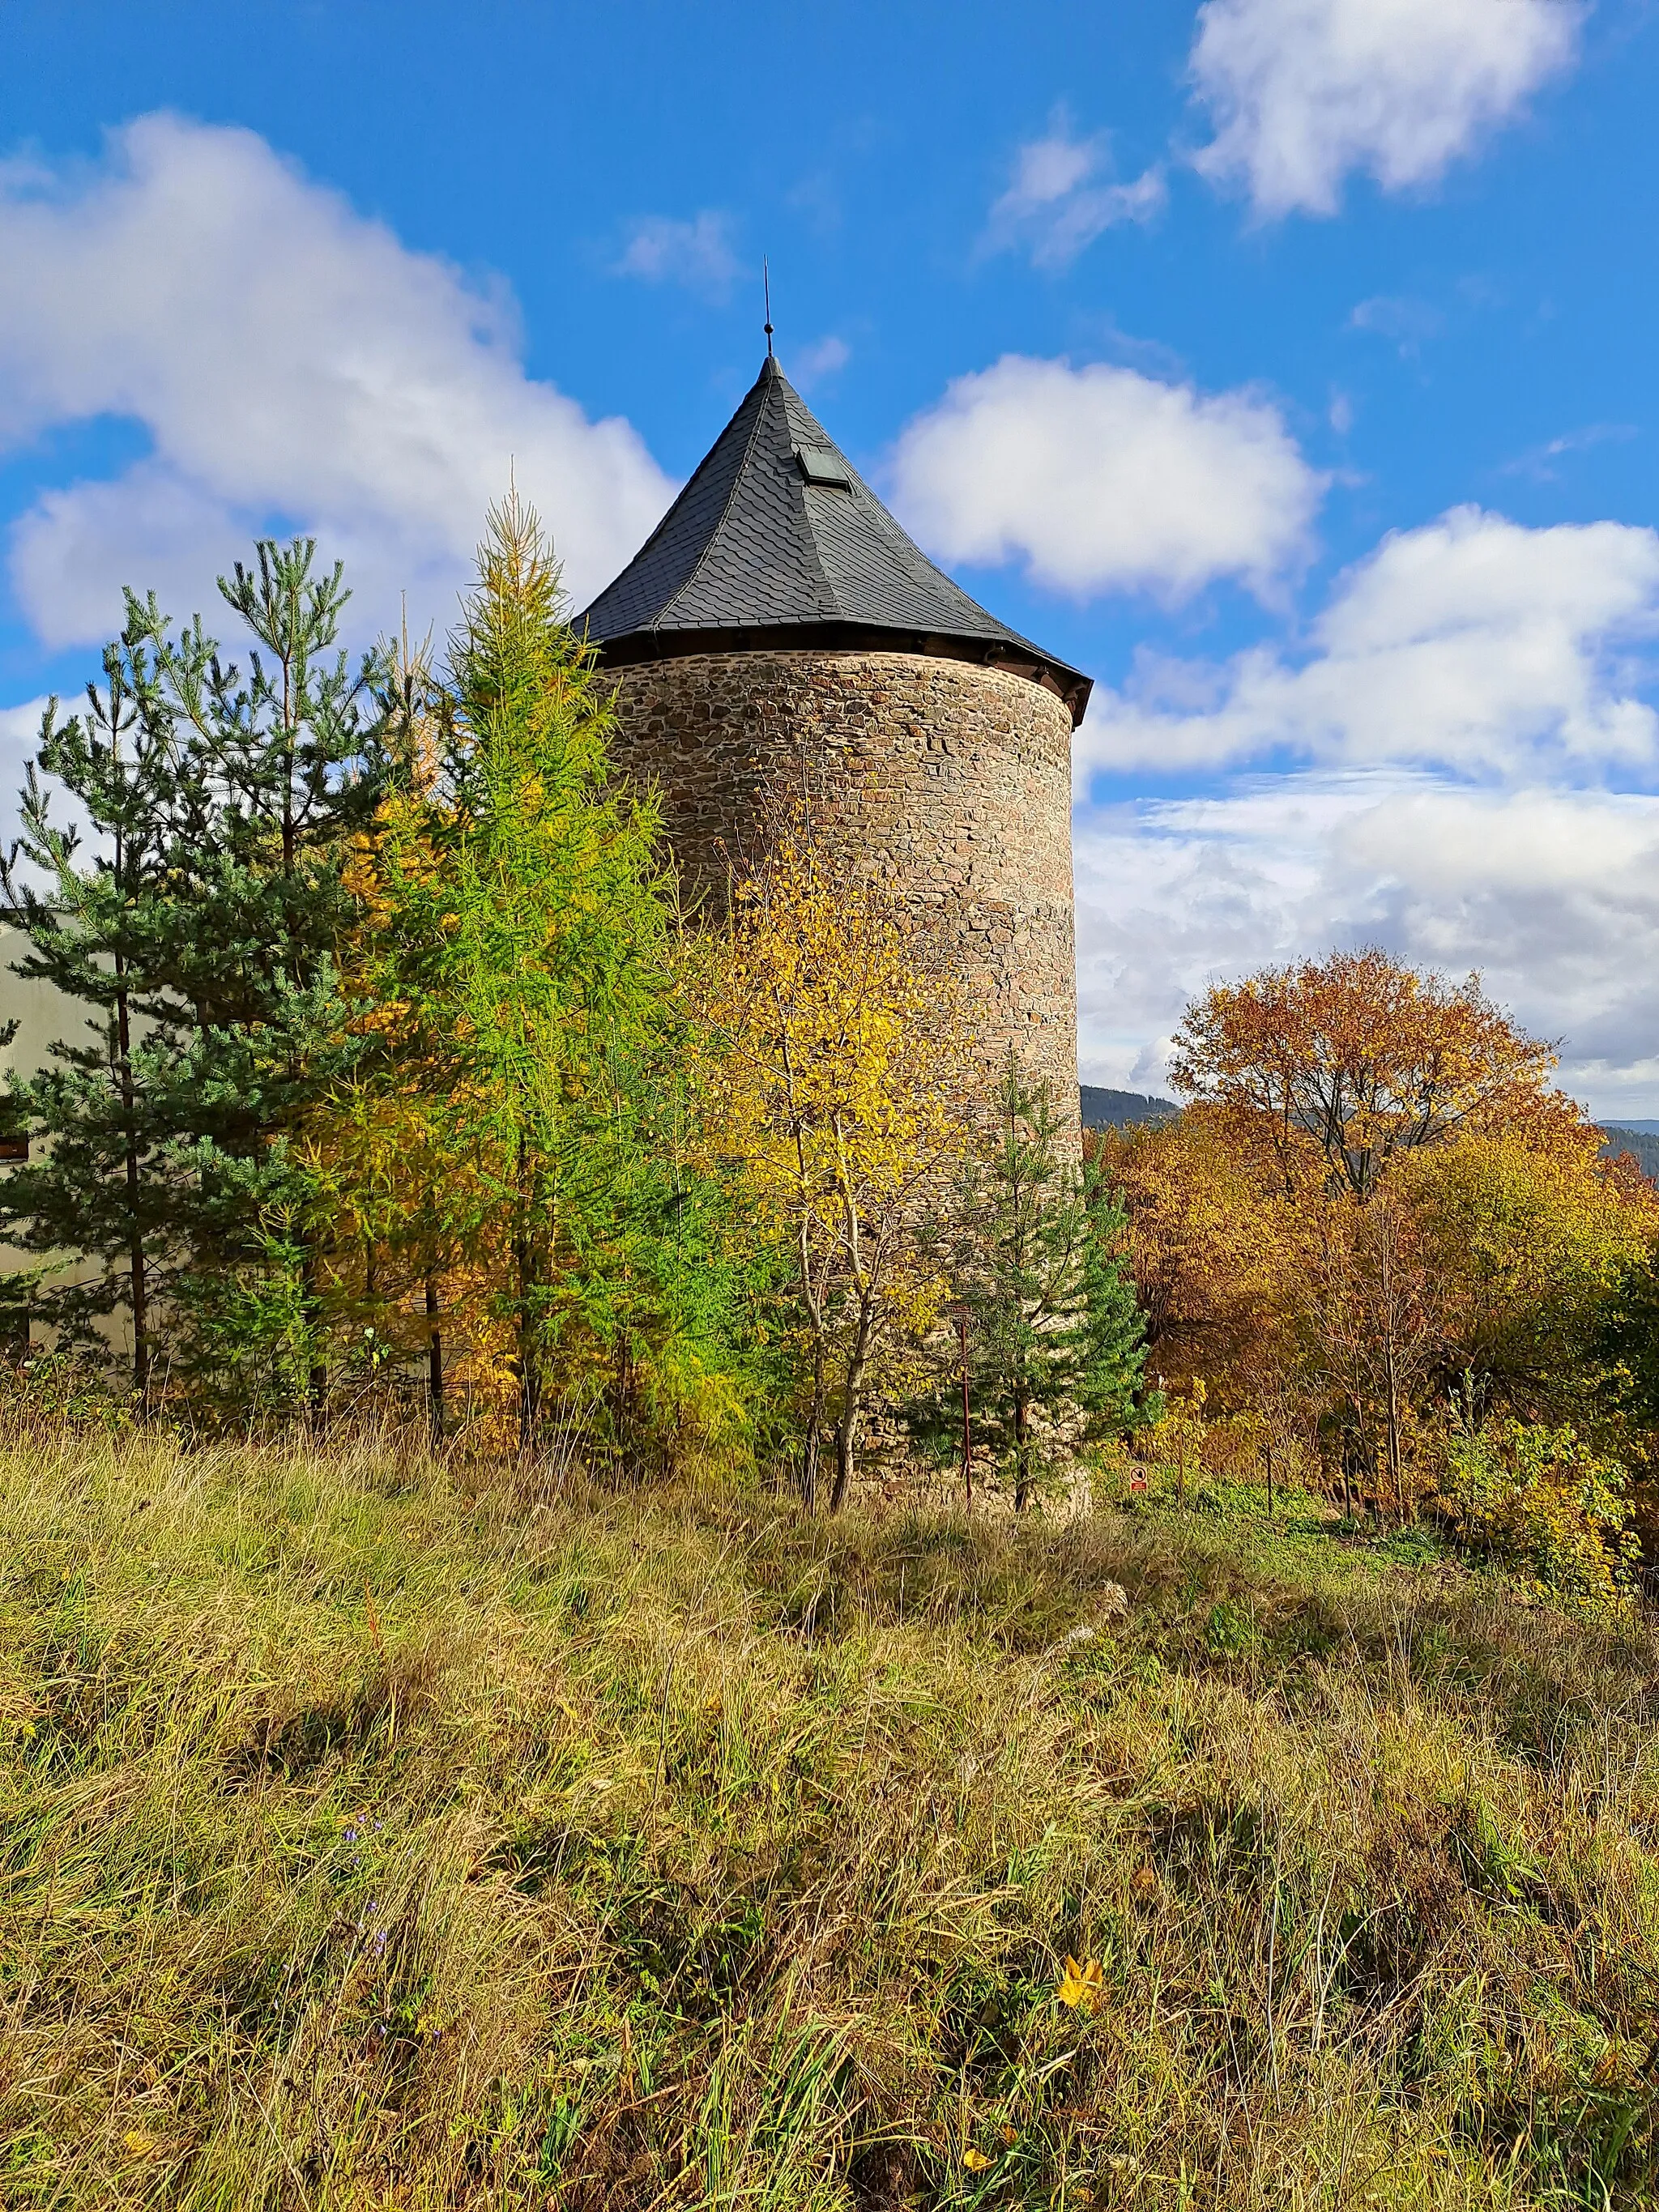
(20, 741)
(697, 254)
(1407, 323)
(1061, 199)
(1553, 896)
(1539, 463)
(293, 364)
(1471, 643)
(19, 734)
(1467, 692)
(824, 357)
(1303, 92)
(1101, 479)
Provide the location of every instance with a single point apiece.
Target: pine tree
(1056, 1340)
(104, 1190)
(198, 925)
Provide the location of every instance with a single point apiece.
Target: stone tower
(779, 628)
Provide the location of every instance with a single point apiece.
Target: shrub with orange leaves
(1217, 1251)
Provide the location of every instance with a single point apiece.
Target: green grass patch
(378, 1834)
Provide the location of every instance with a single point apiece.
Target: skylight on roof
(820, 465)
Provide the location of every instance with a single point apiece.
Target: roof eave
(1069, 685)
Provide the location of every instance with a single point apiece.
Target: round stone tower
(779, 633)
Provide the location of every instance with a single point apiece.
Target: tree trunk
(434, 1361)
(137, 1277)
(1022, 1449)
(1391, 1376)
(812, 1442)
(530, 1381)
(967, 1419)
(625, 1427)
(852, 1407)
(846, 1447)
(317, 1374)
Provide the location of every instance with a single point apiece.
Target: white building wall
(44, 1016)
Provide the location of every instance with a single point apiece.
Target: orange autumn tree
(1335, 1066)
(1374, 1190)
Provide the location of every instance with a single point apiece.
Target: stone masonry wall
(951, 780)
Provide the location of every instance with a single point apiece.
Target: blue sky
(1287, 364)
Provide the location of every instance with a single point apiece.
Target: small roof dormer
(777, 541)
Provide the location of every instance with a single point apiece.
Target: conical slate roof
(777, 540)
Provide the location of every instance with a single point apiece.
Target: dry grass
(374, 1839)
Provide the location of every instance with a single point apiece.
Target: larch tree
(515, 962)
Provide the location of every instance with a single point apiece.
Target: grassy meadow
(383, 1833)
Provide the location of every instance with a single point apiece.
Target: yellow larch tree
(839, 1074)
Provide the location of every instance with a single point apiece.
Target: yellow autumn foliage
(837, 1069)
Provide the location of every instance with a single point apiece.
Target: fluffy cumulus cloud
(1302, 92)
(1552, 895)
(697, 254)
(1471, 644)
(290, 363)
(1461, 764)
(1100, 478)
(1062, 197)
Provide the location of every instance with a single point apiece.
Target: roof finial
(766, 279)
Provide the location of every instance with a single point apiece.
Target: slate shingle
(750, 546)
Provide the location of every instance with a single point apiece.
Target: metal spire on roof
(766, 279)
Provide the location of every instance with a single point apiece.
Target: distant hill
(1104, 1108)
(1115, 1109)
(1639, 1137)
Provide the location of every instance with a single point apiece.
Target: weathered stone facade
(951, 779)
